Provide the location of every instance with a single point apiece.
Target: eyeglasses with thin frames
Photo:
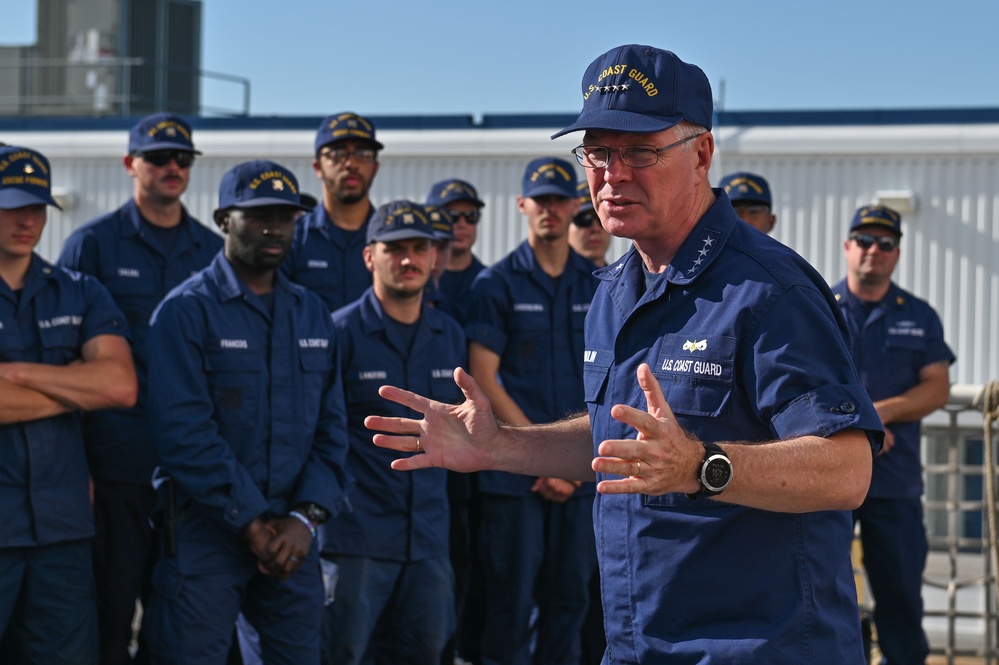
(635, 156)
(358, 156)
(866, 240)
(183, 158)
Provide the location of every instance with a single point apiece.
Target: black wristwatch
(316, 513)
(715, 473)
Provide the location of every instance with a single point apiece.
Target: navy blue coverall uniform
(534, 551)
(747, 344)
(121, 250)
(394, 599)
(247, 409)
(327, 259)
(47, 610)
(891, 342)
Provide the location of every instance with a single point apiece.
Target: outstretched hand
(461, 437)
(662, 459)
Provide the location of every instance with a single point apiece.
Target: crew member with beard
(326, 252)
(525, 344)
(247, 411)
(139, 253)
(394, 597)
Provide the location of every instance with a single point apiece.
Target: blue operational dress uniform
(892, 340)
(395, 585)
(327, 259)
(745, 340)
(534, 550)
(122, 251)
(247, 409)
(456, 285)
(47, 611)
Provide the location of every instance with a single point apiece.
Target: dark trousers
(895, 549)
(389, 612)
(535, 553)
(123, 563)
(47, 612)
(199, 592)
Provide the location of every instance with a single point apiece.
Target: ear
(368, 257)
(705, 150)
(222, 220)
(127, 162)
(520, 203)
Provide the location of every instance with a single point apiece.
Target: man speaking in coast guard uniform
(726, 425)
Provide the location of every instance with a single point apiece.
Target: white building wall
(819, 176)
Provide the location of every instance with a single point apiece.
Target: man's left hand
(288, 548)
(662, 459)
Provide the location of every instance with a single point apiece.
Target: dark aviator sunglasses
(865, 241)
(183, 158)
(470, 216)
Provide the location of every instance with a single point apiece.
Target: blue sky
(381, 57)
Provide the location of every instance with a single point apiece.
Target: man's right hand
(461, 437)
(258, 535)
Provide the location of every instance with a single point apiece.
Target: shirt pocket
(527, 343)
(60, 344)
(443, 388)
(136, 298)
(316, 366)
(596, 368)
(234, 384)
(696, 373)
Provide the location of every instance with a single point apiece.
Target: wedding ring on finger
(293, 559)
(418, 448)
(638, 468)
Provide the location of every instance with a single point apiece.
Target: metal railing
(103, 86)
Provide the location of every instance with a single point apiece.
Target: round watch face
(717, 473)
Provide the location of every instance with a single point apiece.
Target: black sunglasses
(584, 220)
(470, 216)
(865, 240)
(183, 158)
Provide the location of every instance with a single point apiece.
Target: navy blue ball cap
(877, 215)
(344, 126)
(451, 190)
(583, 194)
(745, 186)
(25, 178)
(399, 220)
(440, 222)
(161, 131)
(549, 175)
(259, 183)
(642, 89)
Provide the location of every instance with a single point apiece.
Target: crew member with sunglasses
(463, 205)
(326, 255)
(139, 253)
(587, 236)
(750, 196)
(899, 349)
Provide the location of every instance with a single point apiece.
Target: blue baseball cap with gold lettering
(549, 175)
(399, 220)
(25, 178)
(451, 190)
(745, 186)
(161, 131)
(259, 183)
(343, 126)
(642, 89)
(583, 194)
(877, 215)
(440, 221)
